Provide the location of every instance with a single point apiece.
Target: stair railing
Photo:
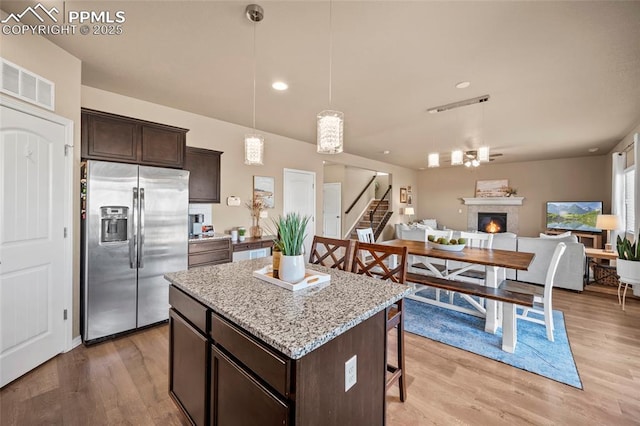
(372, 212)
(360, 195)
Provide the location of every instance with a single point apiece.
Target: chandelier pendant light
(254, 142)
(330, 123)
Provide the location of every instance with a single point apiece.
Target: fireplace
(493, 223)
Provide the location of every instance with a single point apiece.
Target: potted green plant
(628, 263)
(291, 230)
(241, 233)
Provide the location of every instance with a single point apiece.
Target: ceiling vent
(17, 81)
(447, 107)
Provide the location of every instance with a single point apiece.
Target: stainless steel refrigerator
(134, 231)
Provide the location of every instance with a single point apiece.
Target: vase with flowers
(256, 206)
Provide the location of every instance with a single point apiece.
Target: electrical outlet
(350, 373)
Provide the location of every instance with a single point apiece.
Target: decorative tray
(311, 278)
(446, 247)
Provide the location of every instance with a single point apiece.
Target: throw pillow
(432, 223)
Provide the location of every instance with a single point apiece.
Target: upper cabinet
(116, 138)
(204, 176)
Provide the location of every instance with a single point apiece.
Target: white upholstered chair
(542, 295)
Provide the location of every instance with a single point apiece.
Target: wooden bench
(509, 300)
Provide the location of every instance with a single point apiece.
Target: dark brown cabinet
(203, 253)
(237, 399)
(113, 137)
(204, 176)
(188, 354)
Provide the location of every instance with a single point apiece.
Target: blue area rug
(533, 353)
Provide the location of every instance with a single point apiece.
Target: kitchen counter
(294, 323)
(201, 238)
(309, 358)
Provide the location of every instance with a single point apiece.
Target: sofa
(570, 273)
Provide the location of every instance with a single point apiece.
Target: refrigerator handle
(134, 232)
(141, 235)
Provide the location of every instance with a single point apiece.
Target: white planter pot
(241, 237)
(291, 268)
(629, 272)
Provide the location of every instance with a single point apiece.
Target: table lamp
(608, 222)
(409, 212)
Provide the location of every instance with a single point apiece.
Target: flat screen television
(573, 215)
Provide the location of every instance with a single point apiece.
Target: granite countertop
(216, 236)
(294, 323)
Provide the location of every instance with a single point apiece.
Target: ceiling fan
(471, 158)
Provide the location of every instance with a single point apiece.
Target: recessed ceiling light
(386, 151)
(280, 85)
(463, 85)
(593, 149)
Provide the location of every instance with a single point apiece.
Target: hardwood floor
(124, 381)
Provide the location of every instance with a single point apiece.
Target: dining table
(492, 259)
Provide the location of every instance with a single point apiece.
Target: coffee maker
(195, 224)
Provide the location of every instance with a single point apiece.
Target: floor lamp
(608, 222)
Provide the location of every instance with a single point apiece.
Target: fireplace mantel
(494, 201)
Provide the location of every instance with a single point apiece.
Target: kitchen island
(246, 352)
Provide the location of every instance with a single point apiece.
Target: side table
(600, 254)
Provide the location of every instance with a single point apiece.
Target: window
(629, 204)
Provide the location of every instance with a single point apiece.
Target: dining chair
(331, 252)
(475, 274)
(418, 262)
(365, 235)
(541, 295)
(379, 262)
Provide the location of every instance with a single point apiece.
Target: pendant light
(330, 122)
(254, 142)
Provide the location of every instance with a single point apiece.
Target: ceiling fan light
(456, 157)
(433, 160)
(483, 154)
(254, 150)
(330, 132)
(475, 162)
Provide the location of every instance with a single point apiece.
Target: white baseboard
(77, 341)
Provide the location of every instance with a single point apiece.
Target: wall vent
(17, 81)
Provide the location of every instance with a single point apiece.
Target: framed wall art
(491, 188)
(264, 188)
(403, 195)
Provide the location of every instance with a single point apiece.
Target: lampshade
(483, 154)
(456, 157)
(253, 149)
(330, 132)
(433, 160)
(608, 222)
(409, 211)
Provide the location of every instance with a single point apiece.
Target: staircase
(380, 218)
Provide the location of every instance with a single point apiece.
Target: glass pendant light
(330, 123)
(254, 142)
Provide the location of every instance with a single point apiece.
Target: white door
(299, 190)
(331, 214)
(32, 245)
